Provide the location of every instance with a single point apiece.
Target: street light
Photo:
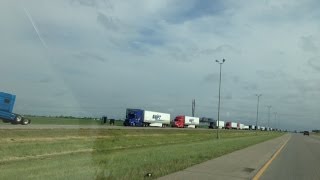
(223, 60)
(269, 107)
(275, 120)
(258, 95)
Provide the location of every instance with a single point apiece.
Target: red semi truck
(185, 121)
(231, 125)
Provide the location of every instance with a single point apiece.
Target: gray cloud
(180, 55)
(314, 63)
(228, 96)
(236, 79)
(162, 56)
(220, 49)
(108, 22)
(45, 80)
(250, 86)
(212, 77)
(88, 56)
(266, 75)
(60, 93)
(93, 3)
(274, 74)
(308, 44)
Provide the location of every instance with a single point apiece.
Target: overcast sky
(95, 57)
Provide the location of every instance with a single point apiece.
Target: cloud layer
(102, 56)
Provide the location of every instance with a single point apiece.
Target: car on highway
(306, 133)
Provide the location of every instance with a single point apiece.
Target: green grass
(113, 153)
(67, 121)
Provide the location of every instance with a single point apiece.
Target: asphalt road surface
(299, 159)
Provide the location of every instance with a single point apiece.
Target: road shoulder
(242, 164)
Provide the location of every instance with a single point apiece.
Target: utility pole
(258, 95)
(193, 107)
(275, 120)
(220, 63)
(269, 107)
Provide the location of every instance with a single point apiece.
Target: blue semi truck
(6, 110)
(139, 117)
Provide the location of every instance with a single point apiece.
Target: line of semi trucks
(144, 118)
(134, 117)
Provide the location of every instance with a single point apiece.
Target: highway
(299, 159)
(52, 126)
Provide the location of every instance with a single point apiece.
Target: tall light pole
(269, 107)
(193, 107)
(258, 95)
(275, 120)
(220, 63)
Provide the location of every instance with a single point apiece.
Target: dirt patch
(50, 139)
(44, 155)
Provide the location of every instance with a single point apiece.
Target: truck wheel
(25, 121)
(18, 119)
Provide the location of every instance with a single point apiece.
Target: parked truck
(6, 110)
(231, 125)
(214, 124)
(185, 121)
(143, 118)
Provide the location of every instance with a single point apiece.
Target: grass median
(113, 154)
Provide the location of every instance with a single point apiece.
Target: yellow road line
(265, 166)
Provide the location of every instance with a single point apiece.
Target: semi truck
(7, 102)
(231, 125)
(252, 127)
(214, 124)
(183, 121)
(240, 126)
(144, 118)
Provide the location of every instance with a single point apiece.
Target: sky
(99, 57)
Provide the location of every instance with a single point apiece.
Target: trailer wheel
(18, 119)
(25, 121)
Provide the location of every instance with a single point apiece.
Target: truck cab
(134, 117)
(179, 122)
(6, 110)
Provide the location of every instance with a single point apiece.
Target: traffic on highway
(159, 89)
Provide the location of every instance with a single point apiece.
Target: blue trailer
(6, 110)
